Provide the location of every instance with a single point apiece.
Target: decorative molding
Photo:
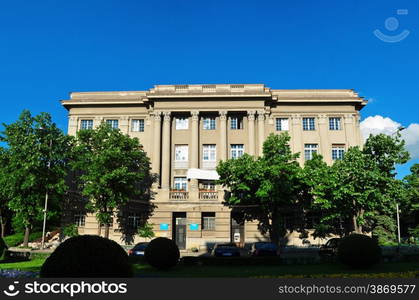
(251, 115)
(157, 116)
(223, 115)
(195, 115)
(261, 115)
(296, 119)
(166, 116)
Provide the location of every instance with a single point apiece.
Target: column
(251, 133)
(296, 136)
(194, 152)
(97, 121)
(261, 131)
(156, 143)
(325, 149)
(350, 131)
(72, 125)
(223, 135)
(165, 168)
(124, 124)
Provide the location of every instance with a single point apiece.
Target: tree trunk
(357, 227)
(99, 229)
(274, 231)
(26, 238)
(2, 224)
(107, 231)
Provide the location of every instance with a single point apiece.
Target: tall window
(180, 183)
(209, 152)
(236, 123)
(181, 152)
(237, 150)
(181, 123)
(86, 124)
(334, 124)
(113, 123)
(137, 125)
(208, 221)
(133, 220)
(309, 149)
(209, 123)
(338, 151)
(282, 124)
(308, 124)
(80, 220)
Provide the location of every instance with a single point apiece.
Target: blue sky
(50, 48)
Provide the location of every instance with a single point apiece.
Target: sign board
(193, 227)
(236, 237)
(164, 226)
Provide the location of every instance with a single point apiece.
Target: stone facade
(192, 127)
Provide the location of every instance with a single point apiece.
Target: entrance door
(179, 229)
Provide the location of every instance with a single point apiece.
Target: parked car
(226, 250)
(138, 249)
(329, 249)
(264, 249)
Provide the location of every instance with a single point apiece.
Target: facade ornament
(166, 115)
(223, 115)
(251, 115)
(195, 115)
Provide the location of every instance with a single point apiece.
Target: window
(181, 123)
(282, 124)
(209, 123)
(309, 149)
(208, 185)
(181, 152)
(112, 123)
(86, 124)
(237, 150)
(208, 221)
(338, 151)
(181, 183)
(334, 124)
(80, 220)
(308, 124)
(209, 152)
(236, 123)
(133, 220)
(137, 125)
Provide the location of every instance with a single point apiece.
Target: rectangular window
(137, 125)
(208, 221)
(338, 151)
(181, 152)
(236, 151)
(133, 220)
(334, 124)
(209, 152)
(181, 183)
(309, 149)
(86, 124)
(308, 124)
(112, 123)
(80, 220)
(209, 123)
(236, 123)
(181, 123)
(282, 124)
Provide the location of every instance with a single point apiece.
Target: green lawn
(142, 270)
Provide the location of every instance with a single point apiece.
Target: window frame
(90, 122)
(208, 221)
(278, 121)
(234, 149)
(309, 123)
(211, 149)
(141, 125)
(183, 183)
(180, 146)
(309, 149)
(339, 150)
(209, 123)
(112, 123)
(180, 123)
(335, 123)
(79, 219)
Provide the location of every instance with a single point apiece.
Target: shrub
(87, 256)
(17, 238)
(3, 247)
(162, 253)
(70, 230)
(359, 251)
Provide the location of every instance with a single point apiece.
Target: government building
(187, 129)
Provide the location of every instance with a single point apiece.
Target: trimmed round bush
(87, 256)
(359, 251)
(162, 253)
(3, 246)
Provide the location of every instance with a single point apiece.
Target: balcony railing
(178, 195)
(208, 195)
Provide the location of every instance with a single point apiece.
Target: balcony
(178, 195)
(208, 195)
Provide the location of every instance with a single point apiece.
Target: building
(187, 129)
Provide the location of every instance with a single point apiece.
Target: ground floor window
(133, 220)
(80, 220)
(208, 221)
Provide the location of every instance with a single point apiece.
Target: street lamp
(397, 204)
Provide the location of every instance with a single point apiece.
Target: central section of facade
(187, 129)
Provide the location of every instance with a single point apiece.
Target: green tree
(115, 169)
(261, 187)
(410, 201)
(146, 231)
(38, 162)
(5, 213)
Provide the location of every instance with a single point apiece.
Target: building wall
(259, 107)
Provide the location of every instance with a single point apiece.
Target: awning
(202, 174)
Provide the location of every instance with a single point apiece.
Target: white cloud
(378, 124)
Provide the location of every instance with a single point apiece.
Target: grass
(316, 270)
(16, 239)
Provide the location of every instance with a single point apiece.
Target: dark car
(264, 249)
(138, 249)
(226, 250)
(329, 249)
